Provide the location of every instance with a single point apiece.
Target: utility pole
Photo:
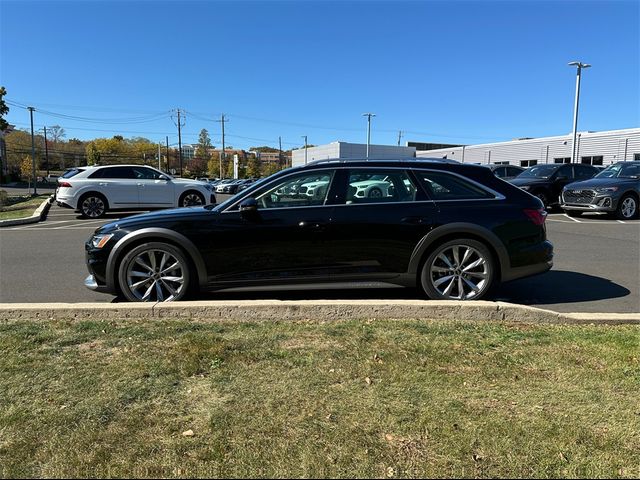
(159, 156)
(33, 153)
(222, 154)
(180, 125)
(399, 137)
(368, 115)
(305, 148)
(167, 165)
(280, 152)
(46, 150)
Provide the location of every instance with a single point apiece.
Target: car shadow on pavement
(558, 286)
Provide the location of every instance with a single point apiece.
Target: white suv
(95, 190)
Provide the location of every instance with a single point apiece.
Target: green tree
(204, 144)
(253, 167)
(26, 168)
(3, 110)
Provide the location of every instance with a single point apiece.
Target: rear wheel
(154, 272)
(93, 205)
(627, 208)
(461, 269)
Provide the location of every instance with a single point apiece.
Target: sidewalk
(39, 215)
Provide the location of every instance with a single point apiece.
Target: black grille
(579, 196)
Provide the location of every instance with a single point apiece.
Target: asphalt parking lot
(596, 267)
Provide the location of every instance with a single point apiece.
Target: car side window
(446, 186)
(303, 190)
(143, 173)
(513, 172)
(379, 186)
(117, 172)
(565, 171)
(584, 172)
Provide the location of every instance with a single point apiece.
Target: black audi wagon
(455, 231)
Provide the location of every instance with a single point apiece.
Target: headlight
(99, 241)
(606, 189)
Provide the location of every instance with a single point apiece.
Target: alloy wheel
(156, 275)
(93, 207)
(458, 271)
(628, 208)
(192, 199)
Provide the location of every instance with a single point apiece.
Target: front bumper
(593, 202)
(92, 284)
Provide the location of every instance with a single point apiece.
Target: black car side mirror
(249, 208)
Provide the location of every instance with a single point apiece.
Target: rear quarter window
(447, 186)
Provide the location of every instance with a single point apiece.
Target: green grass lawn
(19, 207)
(351, 398)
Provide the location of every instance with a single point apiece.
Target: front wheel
(192, 199)
(154, 272)
(459, 270)
(627, 208)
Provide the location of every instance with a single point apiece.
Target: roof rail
(374, 160)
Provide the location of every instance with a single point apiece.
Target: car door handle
(415, 220)
(311, 225)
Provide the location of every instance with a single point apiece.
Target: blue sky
(451, 72)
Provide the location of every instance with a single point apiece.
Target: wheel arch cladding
(452, 231)
(144, 235)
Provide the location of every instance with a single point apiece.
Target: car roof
(432, 163)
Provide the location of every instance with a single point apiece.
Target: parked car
(546, 181)
(93, 191)
(614, 190)
(505, 172)
(222, 183)
(456, 241)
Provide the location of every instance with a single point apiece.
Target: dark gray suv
(615, 190)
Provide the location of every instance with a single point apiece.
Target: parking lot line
(571, 218)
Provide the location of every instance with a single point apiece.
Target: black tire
(154, 272)
(462, 269)
(191, 199)
(574, 213)
(627, 207)
(93, 205)
(375, 193)
(543, 198)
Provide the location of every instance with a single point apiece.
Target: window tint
(445, 186)
(71, 172)
(565, 171)
(113, 172)
(376, 186)
(583, 172)
(308, 189)
(513, 172)
(146, 173)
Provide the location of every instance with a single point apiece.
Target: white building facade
(349, 151)
(594, 148)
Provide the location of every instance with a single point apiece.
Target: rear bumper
(533, 261)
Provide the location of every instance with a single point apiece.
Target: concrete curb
(39, 215)
(320, 310)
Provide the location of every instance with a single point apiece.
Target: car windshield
(620, 170)
(539, 171)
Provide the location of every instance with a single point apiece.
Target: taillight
(64, 184)
(536, 216)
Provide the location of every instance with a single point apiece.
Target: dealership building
(594, 148)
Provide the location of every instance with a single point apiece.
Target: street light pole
(368, 115)
(579, 66)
